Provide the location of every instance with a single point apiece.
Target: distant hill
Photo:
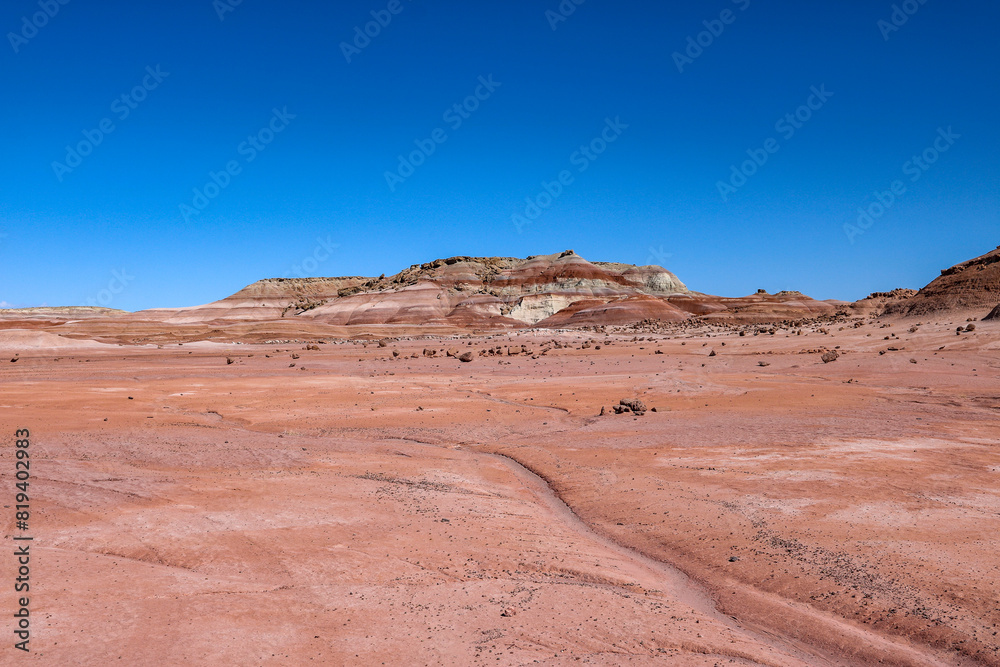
(557, 290)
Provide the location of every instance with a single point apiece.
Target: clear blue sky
(651, 197)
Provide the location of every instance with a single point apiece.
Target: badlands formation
(497, 461)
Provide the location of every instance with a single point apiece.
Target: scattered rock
(633, 404)
(712, 353)
(229, 360)
(830, 356)
(467, 357)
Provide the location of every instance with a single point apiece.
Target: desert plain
(268, 496)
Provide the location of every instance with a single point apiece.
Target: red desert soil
(342, 505)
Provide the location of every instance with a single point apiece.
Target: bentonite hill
(561, 290)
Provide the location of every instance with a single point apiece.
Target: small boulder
(467, 357)
(830, 356)
(634, 405)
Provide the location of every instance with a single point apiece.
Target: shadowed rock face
(970, 286)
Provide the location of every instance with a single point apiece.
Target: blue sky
(207, 89)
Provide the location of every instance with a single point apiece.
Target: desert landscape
(502, 461)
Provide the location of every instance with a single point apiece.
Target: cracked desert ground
(363, 509)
